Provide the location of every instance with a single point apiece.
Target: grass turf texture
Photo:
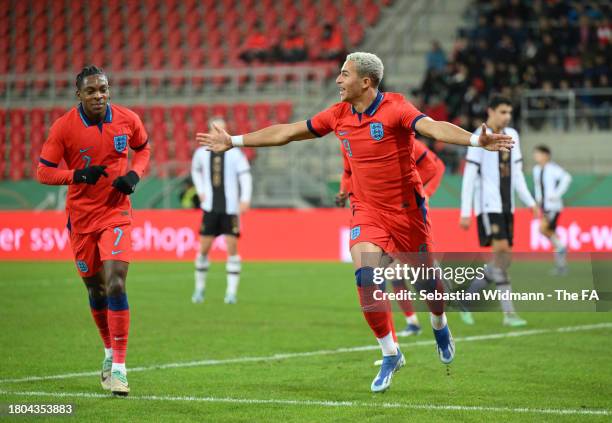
(46, 329)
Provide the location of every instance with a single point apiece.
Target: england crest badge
(120, 143)
(376, 131)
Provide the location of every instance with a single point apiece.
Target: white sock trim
(119, 367)
(438, 322)
(387, 344)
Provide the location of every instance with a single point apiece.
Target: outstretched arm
(219, 140)
(452, 134)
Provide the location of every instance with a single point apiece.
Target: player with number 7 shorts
(93, 140)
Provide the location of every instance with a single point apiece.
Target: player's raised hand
(89, 175)
(218, 140)
(495, 142)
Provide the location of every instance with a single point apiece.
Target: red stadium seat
(219, 110)
(16, 155)
(284, 111)
(173, 22)
(40, 63)
(37, 138)
(140, 111)
(56, 113)
(135, 60)
(117, 60)
(16, 170)
(261, 110)
(158, 115)
(196, 58)
(178, 114)
(373, 13)
(175, 39)
(17, 118)
(59, 62)
(355, 35)
(4, 62)
(20, 64)
(199, 116)
(240, 112)
(156, 59)
(37, 117)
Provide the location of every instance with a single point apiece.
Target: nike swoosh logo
(116, 252)
(343, 132)
(82, 150)
(119, 339)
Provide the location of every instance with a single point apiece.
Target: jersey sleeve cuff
(47, 162)
(416, 119)
(140, 147)
(422, 156)
(311, 129)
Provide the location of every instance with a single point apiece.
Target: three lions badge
(120, 142)
(376, 131)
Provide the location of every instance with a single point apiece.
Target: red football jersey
(430, 167)
(378, 144)
(81, 143)
(428, 164)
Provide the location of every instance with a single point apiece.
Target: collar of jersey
(108, 117)
(372, 107)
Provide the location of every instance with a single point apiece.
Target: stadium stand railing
(187, 85)
(567, 110)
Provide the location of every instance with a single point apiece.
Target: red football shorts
(395, 232)
(91, 249)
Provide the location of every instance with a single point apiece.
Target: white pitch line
(282, 356)
(319, 403)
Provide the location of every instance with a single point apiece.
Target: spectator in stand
(505, 51)
(586, 33)
(293, 48)
(566, 37)
(604, 103)
(332, 44)
(604, 32)
(436, 57)
(540, 44)
(256, 47)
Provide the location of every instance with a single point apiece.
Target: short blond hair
(369, 65)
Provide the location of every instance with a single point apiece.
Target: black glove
(127, 183)
(89, 175)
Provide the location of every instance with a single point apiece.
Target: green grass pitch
(300, 312)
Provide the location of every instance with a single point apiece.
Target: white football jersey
(490, 179)
(551, 181)
(223, 178)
